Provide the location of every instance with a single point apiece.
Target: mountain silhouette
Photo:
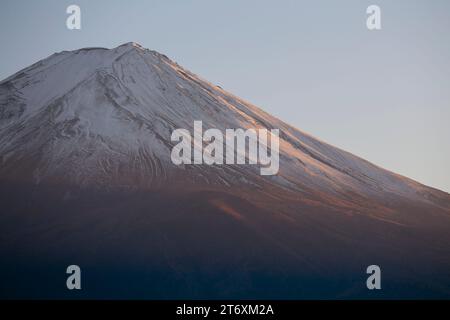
(86, 178)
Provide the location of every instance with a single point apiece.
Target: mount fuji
(86, 178)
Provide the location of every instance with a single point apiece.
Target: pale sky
(382, 95)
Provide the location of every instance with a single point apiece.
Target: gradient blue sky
(382, 95)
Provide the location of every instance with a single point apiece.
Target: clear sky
(383, 95)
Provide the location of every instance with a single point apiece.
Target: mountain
(86, 178)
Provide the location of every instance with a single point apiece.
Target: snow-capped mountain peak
(86, 176)
(104, 117)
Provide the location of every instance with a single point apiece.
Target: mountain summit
(85, 144)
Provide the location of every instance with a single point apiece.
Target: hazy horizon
(381, 95)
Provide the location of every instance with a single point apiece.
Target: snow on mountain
(92, 114)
